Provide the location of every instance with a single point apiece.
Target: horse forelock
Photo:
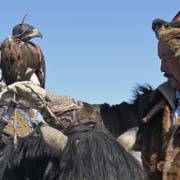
(142, 95)
(140, 91)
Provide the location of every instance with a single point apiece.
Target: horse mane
(28, 159)
(120, 117)
(92, 153)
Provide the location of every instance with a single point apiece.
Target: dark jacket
(158, 135)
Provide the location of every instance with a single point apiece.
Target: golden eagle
(21, 59)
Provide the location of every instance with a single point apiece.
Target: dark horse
(90, 153)
(118, 118)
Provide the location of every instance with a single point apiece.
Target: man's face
(170, 65)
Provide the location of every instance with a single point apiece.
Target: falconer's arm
(61, 111)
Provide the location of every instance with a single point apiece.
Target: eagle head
(25, 32)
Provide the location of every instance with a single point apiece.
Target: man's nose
(164, 67)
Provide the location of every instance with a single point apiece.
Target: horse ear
(176, 17)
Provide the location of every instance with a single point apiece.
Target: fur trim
(166, 120)
(153, 161)
(169, 33)
(172, 162)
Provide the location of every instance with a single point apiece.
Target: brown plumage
(21, 59)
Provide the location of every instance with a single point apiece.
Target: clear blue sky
(95, 50)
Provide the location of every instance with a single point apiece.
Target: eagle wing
(19, 60)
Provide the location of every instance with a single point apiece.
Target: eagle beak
(35, 33)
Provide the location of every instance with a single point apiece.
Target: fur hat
(169, 33)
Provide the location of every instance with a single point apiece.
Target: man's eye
(168, 58)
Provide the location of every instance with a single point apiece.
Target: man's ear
(176, 17)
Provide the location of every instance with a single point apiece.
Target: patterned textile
(22, 126)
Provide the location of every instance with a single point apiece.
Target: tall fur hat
(169, 33)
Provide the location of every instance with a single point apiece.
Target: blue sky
(96, 51)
